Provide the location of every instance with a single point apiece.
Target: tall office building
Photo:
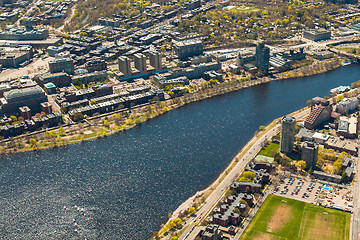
(309, 153)
(155, 60)
(140, 62)
(124, 66)
(262, 57)
(287, 134)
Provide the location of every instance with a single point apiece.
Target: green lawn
(269, 148)
(241, 8)
(350, 50)
(283, 218)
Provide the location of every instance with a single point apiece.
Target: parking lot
(311, 191)
(298, 189)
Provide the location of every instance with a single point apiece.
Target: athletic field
(283, 218)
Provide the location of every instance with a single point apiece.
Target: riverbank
(192, 201)
(120, 121)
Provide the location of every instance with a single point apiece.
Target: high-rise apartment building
(124, 66)
(262, 57)
(287, 134)
(309, 153)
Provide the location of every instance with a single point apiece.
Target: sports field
(241, 8)
(283, 218)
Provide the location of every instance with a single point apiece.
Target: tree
(191, 210)
(174, 238)
(106, 123)
(338, 165)
(300, 165)
(344, 177)
(13, 118)
(33, 143)
(320, 162)
(262, 128)
(61, 131)
(311, 170)
(249, 175)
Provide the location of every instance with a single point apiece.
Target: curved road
(215, 196)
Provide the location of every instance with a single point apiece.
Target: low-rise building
(342, 145)
(317, 34)
(348, 105)
(60, 79)
(347, 127)
(31, 97)
(327, 176)
(15, 56)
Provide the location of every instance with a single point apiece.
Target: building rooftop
(15, 93)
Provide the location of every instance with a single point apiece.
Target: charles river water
(124, 186)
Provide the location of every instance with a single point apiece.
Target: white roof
(321, 136)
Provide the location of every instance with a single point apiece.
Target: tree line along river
(124, 186)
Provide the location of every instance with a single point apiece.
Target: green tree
(338, 165)
(191, 210)
(33, 143)
(344, 177)
(262, 128)
(249, 175)
(300, 165)
(13, 118)
(61, 131)
(106, 123)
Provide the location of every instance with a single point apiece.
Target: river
(124, 186)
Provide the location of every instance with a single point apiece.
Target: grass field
(283, 218)
(269, 148)
(350, 50)
(241, 8)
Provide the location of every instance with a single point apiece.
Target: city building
(244, 56)
(287, 134)
(31, 97)
(155, 60)
(15, 56)
(309, 153)
(321, 111)
(279, 60)
(140, 63)
(95, 65)
(46, 107)
(342, 145)
(262, 170)
(211, 232)
(25, 112)
(348, 105)
(24, 34)
(109, 22)
(262, 57)
(317, 34)
(124, 66)
(188, 48)
(347, 127)
(327, 176)
(50, 88)
(60, 79)
(62, 65)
